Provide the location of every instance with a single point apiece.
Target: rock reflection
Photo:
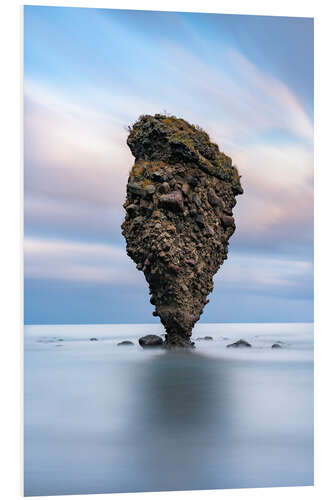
(180, 392)
(184, 413)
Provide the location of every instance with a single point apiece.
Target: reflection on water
(102, 419)
(179, 395)
(185, 407)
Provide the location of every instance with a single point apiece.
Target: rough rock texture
(180, 196)
(150, 341)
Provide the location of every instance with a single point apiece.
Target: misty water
(101, 418)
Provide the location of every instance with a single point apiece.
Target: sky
(88, 74)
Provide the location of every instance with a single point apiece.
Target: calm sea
(100, 418)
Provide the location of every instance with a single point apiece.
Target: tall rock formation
(180, 195)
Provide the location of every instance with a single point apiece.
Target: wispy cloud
(58, 215)
(80, 92)
(272, 98)
(73, 151)
(278, 202)
(96, 263)
(266, 275)
(79, 262)
(78, 153)
(239, 101)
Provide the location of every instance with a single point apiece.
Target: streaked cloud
(278, 202)
(76, 261)
(263, 275)
(73, 151)
(239, 101)
(76, 154)
(80, 93)
(60, 215)
(273, 99)
(108, 264)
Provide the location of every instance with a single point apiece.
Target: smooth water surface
(100, 418)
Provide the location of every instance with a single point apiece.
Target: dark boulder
(158, 176)
(228, 221)
(133, 209)
(93, 339)
(150, 341)
(276, 346)
(149, 190)
(172, 201)
(213, 199)
(200, 221)
(125, 342)
(240, 343)
(135, 188)
(164, 188)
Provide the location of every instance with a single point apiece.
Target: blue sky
(247, 80)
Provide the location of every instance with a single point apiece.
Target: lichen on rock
(180, 196)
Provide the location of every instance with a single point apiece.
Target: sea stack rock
(180, 195)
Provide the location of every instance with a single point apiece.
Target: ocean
(103, 418)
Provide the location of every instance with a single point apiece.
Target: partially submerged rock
(180, 196)
(207, 337)
(93, 339)
(125, 342)
(240, 343)
(277, 345)
(150, 341)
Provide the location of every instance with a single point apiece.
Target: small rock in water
(93, 339)
(125, 342)
(150, 341)
(240, 343)
(276, 346)
(207, 337)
